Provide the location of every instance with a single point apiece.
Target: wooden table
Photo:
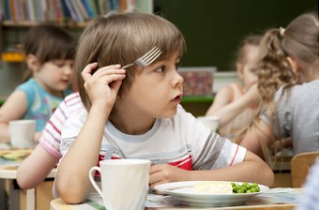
(8, 174)
(59, 204)
(275, 199)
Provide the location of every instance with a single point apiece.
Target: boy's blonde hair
(121, 39)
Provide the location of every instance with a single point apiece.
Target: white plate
(185, 194)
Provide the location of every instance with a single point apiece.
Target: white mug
(22, 133)
(210, 121)
(125, 183)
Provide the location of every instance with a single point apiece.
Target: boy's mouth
(177, 99)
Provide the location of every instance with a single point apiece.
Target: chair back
(300, 165)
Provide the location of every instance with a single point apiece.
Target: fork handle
(128, 65)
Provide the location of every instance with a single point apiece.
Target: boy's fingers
(114, 78)
(116, 66)
(88, 68)
(86, 72)
(92, 66)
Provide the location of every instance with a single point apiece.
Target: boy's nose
(178, 79)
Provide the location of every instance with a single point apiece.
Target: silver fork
(147, 58)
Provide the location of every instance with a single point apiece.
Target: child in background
(289, 87)
(47, 154)
(237, 104)
(50, 54)
(135, 113)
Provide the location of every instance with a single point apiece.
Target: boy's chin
(170, 113)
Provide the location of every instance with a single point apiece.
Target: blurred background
(214, 28)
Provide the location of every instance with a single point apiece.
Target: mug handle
(93, 182)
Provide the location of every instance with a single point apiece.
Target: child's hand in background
(252, 95)
(103, 85)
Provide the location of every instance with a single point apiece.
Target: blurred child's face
(55, 76)
(156, 90)
(245, 71)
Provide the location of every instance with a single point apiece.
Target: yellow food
(15, 155)
(213, 187)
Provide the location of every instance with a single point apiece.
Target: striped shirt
(51, 137)
(182, 141)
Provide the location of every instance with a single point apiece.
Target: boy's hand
(164, 173)
(103, 85)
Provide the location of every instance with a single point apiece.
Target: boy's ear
(239, 70)
(294, 65)
(32, 62)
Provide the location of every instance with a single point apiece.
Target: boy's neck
(131, 123)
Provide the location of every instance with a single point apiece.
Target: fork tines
(149, 57)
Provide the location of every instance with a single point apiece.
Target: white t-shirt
(182, 141)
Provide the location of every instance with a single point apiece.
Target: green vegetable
(245, 187)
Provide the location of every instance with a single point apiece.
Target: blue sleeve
(29, 91)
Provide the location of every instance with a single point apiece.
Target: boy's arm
(72, 179)
(227, 111)
(14, 108)
(34, 169)
(252, 169)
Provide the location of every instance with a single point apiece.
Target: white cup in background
(22, 133)
(210, 121)
(125, 183)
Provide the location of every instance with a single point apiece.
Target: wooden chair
(300, 165)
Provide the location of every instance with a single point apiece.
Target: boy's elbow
(266, 175)
(269, 177)
(24, 182)
(71, 198)
(70, 194)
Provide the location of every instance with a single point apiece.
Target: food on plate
(245, 187)
(16, 155)
(213, 187)
(225, 187)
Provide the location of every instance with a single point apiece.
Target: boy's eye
(177, 65)
(161, 69)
